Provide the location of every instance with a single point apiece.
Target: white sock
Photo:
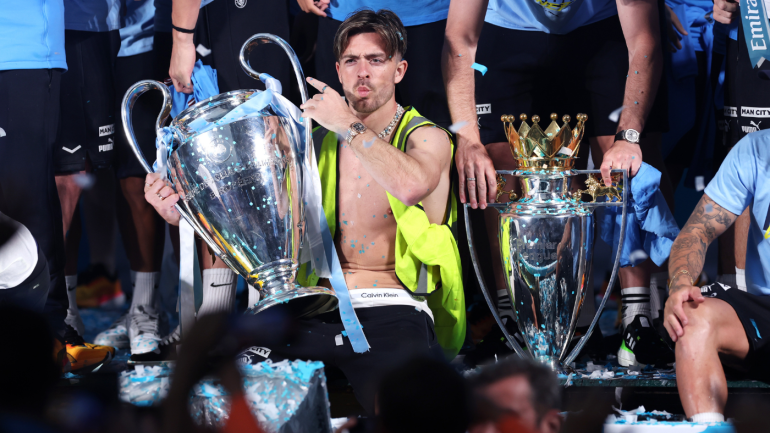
(73, 314)
(636, 301)
(740, 278)
(708, 417)
(145, 287)
(658, 282)
(218, 291)
(253, 296)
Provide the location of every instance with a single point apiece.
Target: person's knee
(701, 324)
(501, 156)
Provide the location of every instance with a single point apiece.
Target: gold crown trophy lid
(554, 149)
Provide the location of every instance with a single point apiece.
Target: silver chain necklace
(386, 131)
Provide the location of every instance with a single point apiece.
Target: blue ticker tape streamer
(481, 68)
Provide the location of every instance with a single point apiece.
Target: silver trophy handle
(267, 38)
(132, 94)
(483, 287)
(615, 267)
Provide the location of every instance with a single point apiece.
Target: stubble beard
(372, 103)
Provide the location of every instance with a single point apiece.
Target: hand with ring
(162, 197)
(328, 109)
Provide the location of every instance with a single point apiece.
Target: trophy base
(303, 302)
(554, 364)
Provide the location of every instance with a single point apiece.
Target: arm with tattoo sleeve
(707, 222)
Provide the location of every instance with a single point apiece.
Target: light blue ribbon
(348, 314)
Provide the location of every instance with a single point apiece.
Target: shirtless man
(389, 168)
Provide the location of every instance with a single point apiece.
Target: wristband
(181, 30)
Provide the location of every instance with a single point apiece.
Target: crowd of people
(407, 100)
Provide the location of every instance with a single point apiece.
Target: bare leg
(500, 153)
(69, 193)
(713, 330)
(98, 212)
(142, 229)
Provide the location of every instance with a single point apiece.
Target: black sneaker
(643, 345)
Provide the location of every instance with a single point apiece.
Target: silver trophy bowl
(240, 185)
(547, 239)
(546, 246)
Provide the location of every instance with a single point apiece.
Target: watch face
(358, 127)
(632, 135)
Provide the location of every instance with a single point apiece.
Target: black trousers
(29, 117)
(395, 334)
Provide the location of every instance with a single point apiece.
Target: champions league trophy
(240, 182)
(547, 238)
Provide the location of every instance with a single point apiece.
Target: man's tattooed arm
(707, 222)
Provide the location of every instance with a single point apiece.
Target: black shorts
(395, 334)
(224, 27)
(129, 70)
(747, 96)
(540, 73)
(88, 122)
(754, 314)
(422, 86)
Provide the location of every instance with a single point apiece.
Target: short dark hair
(546, 393)
(383, 22)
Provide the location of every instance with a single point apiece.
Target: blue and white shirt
(92, 15)
(743, 180)
(411, 13)
(550, 16)
(32, 34)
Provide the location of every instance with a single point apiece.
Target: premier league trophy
(547, 237)
(240, 181)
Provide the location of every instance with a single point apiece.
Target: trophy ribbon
(205, 85)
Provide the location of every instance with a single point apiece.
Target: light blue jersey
(550, 16)
(743, 181)
(32, 34)
(411, 12)
(136, 36)
(92, 15)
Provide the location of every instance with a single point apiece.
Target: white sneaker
(173, 338)
(116, 335)
(143, 330)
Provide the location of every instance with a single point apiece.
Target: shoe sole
(628, 359)
(167, 364)
(93, 367)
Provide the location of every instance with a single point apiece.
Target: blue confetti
(481, 68)
(755, 328)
